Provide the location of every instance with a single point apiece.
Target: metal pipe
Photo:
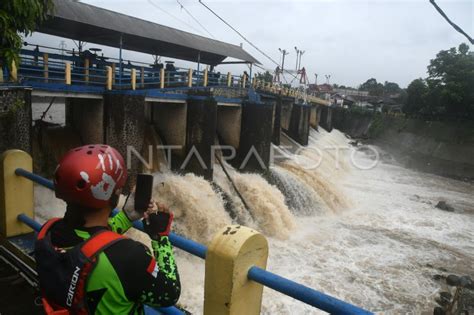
(303, 293)
(36, 226)
(35, 178)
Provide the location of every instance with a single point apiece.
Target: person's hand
(157, 220)
(129, 209)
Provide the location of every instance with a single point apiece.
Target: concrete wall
(86, 117)
(299, 123)
(326, 118)
(124, 125)
(169, 120)
(255, 137)
(15, 119)
(229, 120)
(313, 118)
(201, 129)
(444, 148)
(286, 109)
(277, 122)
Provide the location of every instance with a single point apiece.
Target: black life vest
(63, 273)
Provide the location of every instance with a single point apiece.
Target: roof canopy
(80, 21)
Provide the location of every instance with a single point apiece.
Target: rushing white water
(374, 237)
(370, 237)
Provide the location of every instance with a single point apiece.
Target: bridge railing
(55, 66)
(235, 259)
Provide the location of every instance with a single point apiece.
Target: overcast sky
(350, 40)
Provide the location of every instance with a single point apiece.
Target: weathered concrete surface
(229, 119)
(444, 148)
(286, 109)
(86, 117)
(15, 119)
(256, 134)
(326, 118)
(354, 123)
(201, 128)
(50, 143)
(124, 125)
(299, 123)
(313, 118)
(169, 120)
(277, 122)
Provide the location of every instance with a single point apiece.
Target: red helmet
(89, 175)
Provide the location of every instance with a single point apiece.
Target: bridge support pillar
(277, 122)
(326, 118)
(253, 154)
(232, 252)
(86, 117)
(229, 124)
(124, 128)
(299, 123)
(201, 125)
(15, 119)
(313, 118)
(16, 192)
(169, 121)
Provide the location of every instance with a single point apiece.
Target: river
(372, 237)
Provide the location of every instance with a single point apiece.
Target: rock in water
(442, 205)
(466, 282)
(452, 280)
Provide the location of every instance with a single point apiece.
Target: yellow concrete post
(190, 77)
(1, 74)
(162, 78)
(244, 80)
(205, 77)
(134, 79)
(86, 70)
(142, 76)
(229, 79)
(14, 72)
(109, 77)
(16, 192)
(67, 73)
(232, 252)
(45, 67)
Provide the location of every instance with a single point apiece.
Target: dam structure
(131, 104)
(140, 109)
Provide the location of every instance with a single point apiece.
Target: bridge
(182, 107)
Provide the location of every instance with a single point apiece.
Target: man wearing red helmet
(84, 264)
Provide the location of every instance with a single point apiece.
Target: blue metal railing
(295, 290)
(31, 69)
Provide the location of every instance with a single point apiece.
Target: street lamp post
(284, 53)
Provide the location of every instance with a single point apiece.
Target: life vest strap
(99, 242)
(45, 228)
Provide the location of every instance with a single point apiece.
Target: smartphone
(143, 192)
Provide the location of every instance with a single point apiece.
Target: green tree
(373, 87)
(19, 17)
(451, 81)
(265, 76)
(416, 95)
(391, 88)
